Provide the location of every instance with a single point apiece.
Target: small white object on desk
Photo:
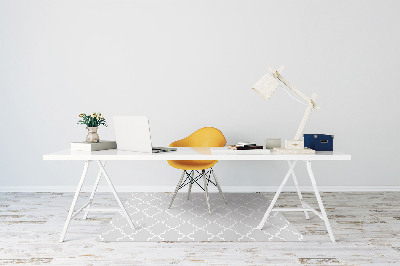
(86, 146)
(294, 147)
(294, 144)
(225, 150)
(293, 151)
(271, 143)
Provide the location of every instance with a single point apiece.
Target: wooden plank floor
(366, 226)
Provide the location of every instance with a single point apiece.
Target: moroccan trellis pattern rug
(189, 220)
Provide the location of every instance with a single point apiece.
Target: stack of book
(98, 146)
(245, 146)
(241, 148)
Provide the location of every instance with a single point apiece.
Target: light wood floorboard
(365, 224)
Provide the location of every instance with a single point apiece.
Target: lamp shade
(266, 86)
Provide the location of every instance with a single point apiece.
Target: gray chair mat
(189, 220)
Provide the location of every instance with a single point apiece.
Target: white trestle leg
(306, 207)
(264, 219)
(298, 191)
(93, 192)
(124, 212)
(321, 205)
(71, 210)
(86, 207)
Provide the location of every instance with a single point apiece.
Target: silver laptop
(133, 134)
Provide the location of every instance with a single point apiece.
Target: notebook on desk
(133, 134)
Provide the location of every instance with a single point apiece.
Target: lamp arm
(311, 102)
(305, 117)
(293, 88)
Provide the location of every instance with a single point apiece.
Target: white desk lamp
(266, 86)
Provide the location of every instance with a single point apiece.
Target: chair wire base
(190, 179)
(193, 176)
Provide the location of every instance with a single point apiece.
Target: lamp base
(293, 151)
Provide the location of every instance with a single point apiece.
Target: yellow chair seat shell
(204, 137)
(192, 164)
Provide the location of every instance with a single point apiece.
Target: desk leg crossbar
(86, 207)
(306, 207)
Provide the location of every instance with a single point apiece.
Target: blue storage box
(318, 142)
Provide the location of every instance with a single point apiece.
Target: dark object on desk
(318, 142)
(235, 147)
(245, 144)
(250, 148)
(162, 149)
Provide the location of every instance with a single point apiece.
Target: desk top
(187, 153)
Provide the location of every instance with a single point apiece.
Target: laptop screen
(132, 133)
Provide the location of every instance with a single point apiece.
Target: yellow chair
(204, 137)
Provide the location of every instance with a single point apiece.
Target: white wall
(190, 64)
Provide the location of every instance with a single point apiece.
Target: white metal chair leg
(125, 213)
(93, 192)
(264, 219)
(298, 191)
(177, 188)
(206, 190)
(191, 183)
(321, 205)
(218, 186)
(71, 210)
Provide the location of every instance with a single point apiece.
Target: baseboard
(195, 189)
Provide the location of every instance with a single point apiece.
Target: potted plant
(92, 123)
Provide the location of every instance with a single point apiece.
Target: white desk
(194, 154)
